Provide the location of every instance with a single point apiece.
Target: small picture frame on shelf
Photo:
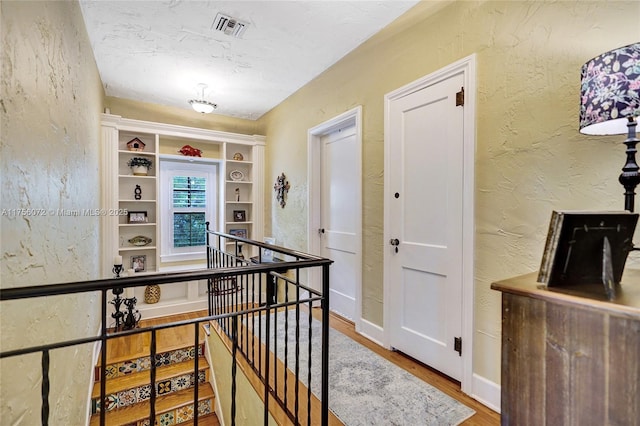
(240, 233)
(239, 216)
(138, 217)
(139, 262)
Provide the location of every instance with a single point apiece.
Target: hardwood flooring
(483, 417)
(137, 345)
(124, 348)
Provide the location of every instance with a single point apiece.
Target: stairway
(128, 379)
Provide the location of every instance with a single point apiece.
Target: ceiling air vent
(229, 26)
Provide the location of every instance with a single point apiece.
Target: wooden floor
(137, 345)
(483, 417)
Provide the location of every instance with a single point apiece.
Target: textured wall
(183, 117)
(51, 100)
(250, 408)
(530, 157)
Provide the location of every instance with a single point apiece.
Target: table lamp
(610, 105)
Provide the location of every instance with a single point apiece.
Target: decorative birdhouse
(135, 144)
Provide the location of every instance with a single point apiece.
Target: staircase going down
(128, 375)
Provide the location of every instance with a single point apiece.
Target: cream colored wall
(249, 405)
(530, 157)
(50, 105)
(172, 146)
(180, 116)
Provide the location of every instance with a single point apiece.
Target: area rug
(364, 388)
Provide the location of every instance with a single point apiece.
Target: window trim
(168, 168)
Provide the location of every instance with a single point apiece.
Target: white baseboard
(486, 392)
(371, 331)
(168, 308)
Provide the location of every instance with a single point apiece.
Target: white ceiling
(159, 51)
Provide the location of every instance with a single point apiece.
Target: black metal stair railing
(235, 298)
(253, 332)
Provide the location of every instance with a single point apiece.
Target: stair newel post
(45, 388)
(152, 373)
(267, 360)
(325, 345)
(103, 360)
(234, 364)
(310, 346)
(209, 266)
(196, 366)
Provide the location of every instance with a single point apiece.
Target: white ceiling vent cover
(229, 26)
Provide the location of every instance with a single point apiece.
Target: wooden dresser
(570, 357)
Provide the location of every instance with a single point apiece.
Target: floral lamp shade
(610, 91)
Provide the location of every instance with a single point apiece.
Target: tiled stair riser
(179, 415)
(144, 363)
(143, 393)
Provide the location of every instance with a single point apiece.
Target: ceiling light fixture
(200, 105)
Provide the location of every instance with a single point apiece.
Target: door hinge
(457, 345)
(460, 97)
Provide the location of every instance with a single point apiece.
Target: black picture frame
(137, 217)
(574, 248)
(239, 216)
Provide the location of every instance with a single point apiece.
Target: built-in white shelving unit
(240, 160)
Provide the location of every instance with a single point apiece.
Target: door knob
(394, 242)
(321, 231)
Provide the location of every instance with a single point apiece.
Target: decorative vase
(140, 170)
(152, 294)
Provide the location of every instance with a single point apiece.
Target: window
(188, 200)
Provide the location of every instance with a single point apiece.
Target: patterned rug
(364, 388)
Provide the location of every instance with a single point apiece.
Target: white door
(425, 198)
(339, 221)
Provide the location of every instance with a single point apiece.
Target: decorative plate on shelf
(236, 175)
(140, 240)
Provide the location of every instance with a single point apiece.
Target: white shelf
(137, 176)
(120, 184)
(149, 187)
(137, 248)
(133, 153)
(188, 158)
(239, 162)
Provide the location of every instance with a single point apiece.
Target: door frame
(466, 66)
(314, 136)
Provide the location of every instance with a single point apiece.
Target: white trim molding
(314, 135)
(466, 67)
(486, 392)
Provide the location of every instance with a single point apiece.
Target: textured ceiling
(159, 51)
